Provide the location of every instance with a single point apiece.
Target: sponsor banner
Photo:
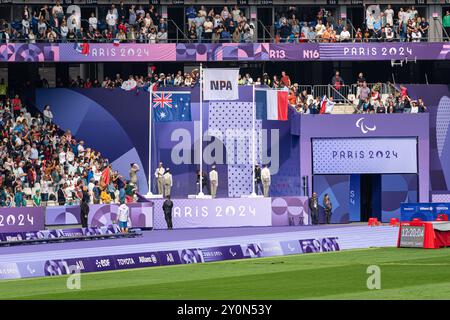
(9, 271)
(182, 52)
(136, 260)
(220, 213)
(290, 247)
(191, 256)
(168, 258)
(221, 253)
(104, 263)
(21, 219)
(220, 84)
(319, 245)
(31, 269)
(165, 258)
(364, 155)
(270, 249)
(426, 211)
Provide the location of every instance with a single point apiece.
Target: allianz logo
(426, 208)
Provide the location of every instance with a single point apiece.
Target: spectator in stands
(416, 35)
(48, 115)
(424, 26)
(446, 24)
(344, 36)
(285, 80)
(421, 105)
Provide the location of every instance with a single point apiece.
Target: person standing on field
(124, 217)
(214, 180)
(167, 182)
(265, 177)
(159, 175)
(167, 208)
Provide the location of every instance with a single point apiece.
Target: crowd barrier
(166, 258)
(426, 211)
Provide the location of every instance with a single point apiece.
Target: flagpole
(253, 140)
(201, 194)
(149, 192)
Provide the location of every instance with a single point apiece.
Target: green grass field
(405, 274)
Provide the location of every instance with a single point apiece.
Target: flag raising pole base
(201, 194)
(149, 193)
(253, 194)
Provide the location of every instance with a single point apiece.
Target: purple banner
(168, 258)
(319, 245)
(290, 211)
(62, 215)
(364, 155)
(222, 253)
(137, 260)
(182, 52)
(21, 219)
(210, 213)
(141, 214)
(165, 258)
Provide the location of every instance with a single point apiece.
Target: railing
(339, 95)
(307, 88)
(178, 30)
(266, 31)
(383, 87)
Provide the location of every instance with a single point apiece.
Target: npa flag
(171, 106)
(271, 104)
(323, 104)
(220, 84)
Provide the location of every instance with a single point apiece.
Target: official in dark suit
(167, 208)
(314, 208)
(258, 181)
(85, 208)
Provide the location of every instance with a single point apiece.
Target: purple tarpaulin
(21, 219)
(102, 52)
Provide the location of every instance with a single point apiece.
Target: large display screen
(364, 155)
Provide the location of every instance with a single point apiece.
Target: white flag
(220, 84)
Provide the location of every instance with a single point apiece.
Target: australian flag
(171, 106)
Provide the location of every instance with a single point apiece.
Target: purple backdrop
(66, 52)
(21, 219)
(207, 213)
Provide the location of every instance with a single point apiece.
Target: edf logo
(221, 85)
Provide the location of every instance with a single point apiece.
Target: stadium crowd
(383, 25)
(144, 24)
(378, 98)
(41, 165)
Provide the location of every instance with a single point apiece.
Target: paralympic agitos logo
(364, 128)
